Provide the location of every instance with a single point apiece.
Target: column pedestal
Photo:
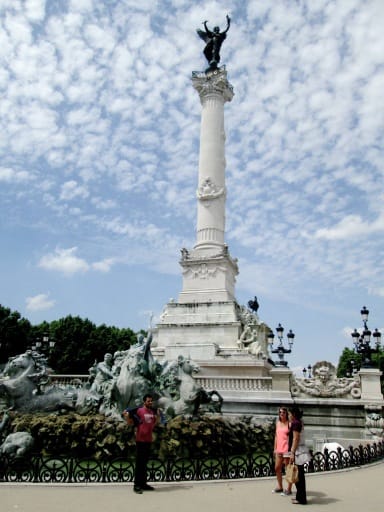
(370, 384)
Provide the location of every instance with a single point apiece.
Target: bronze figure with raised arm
(213, 39)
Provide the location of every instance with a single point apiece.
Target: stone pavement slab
(353, 490)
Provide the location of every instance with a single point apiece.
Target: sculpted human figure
(213, 39)
(104, 374)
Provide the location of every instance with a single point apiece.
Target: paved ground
(354, 490)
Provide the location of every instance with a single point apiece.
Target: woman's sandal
(295, 502)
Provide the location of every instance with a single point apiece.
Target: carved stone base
(198, 324)
(208, 276)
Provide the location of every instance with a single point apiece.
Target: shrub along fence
(53, 469)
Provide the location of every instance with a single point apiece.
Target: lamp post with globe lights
(362, 341)
(44, 345)
(280, 349)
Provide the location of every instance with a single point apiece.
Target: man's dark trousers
(142, 457)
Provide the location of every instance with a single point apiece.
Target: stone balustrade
(236, 383)
(218, 383)
(59, 381)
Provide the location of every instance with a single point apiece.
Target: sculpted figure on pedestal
(213, 39)
(251, 338)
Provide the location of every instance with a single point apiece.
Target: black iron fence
(39, 469)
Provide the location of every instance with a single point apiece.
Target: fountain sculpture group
(119, 381)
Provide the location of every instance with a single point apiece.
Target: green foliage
(212, 436)
(78, 342)
(14, 333)
(106, 438)
(345, 365)
(344, 368)
(71, 434)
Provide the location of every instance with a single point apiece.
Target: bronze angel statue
(213, 41)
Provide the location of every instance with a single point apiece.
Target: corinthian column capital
(213, 83)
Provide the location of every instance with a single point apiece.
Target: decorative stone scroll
(325, 384)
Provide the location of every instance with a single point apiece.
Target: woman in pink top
(280, 450)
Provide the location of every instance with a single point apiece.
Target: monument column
(206, 320)
(209, 272)
(214, 90)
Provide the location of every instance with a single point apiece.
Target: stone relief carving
(374, 421)
(203, 271)
(325, 384)
(208, 190)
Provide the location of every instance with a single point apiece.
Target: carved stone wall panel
(325, 384)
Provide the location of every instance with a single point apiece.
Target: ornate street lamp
(309, 370)
(362, 341)
(281, 350)
(44, 345)
(352, 369)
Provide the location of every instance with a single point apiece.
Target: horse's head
(189, 367)
(19, 365)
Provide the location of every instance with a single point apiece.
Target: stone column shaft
(214, 90)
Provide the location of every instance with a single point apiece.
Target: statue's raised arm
(228, 24)
(213, 39)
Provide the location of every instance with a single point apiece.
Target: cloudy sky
(99, 147)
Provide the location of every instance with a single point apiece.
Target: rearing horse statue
(22, 376)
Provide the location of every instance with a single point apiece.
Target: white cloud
(71, 189)
(103, 265)
(13, 176)
(351, 227)
(35, 10)
(378, 291)
(40, 302)
(346, 332)
(64, 261)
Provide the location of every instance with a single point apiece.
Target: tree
(110, 339)
(71, 353)
(348, 360)
(15, 333)
(79, 343)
